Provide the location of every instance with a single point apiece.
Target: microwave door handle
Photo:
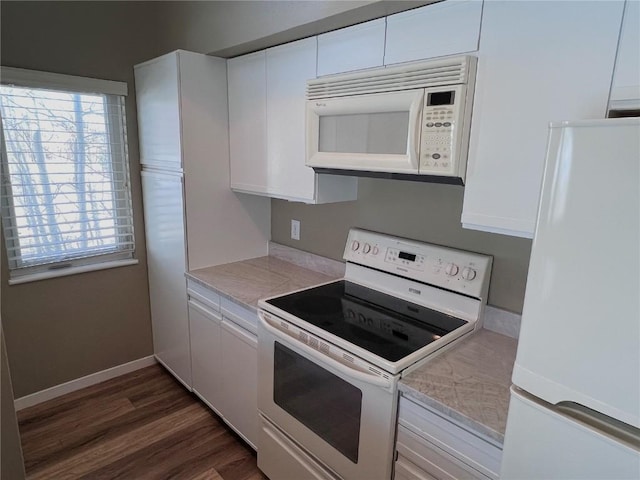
(342, 366)
(415, 119)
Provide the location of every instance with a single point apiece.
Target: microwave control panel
(442, 118)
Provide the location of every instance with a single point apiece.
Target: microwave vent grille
(451, 71)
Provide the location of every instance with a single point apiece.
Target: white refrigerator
(575, 400)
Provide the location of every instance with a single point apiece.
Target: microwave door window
(365, 133)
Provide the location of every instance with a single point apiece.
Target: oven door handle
(343, 366)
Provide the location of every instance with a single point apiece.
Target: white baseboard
(82, 382)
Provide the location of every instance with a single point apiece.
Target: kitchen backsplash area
(426, 212)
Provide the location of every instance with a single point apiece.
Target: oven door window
(325, 403)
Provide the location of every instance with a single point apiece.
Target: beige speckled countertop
(248, 281)
(469, 382)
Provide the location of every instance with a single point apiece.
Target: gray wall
(61, 329)
(421, 211)
(11, 461)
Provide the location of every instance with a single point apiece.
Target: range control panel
(449, 268)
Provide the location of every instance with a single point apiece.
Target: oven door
(377, 132)
(338, 412)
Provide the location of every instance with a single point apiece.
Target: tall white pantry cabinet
(192, 218)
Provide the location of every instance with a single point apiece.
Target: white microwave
(409, 122)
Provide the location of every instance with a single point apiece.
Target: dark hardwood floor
(143, 425)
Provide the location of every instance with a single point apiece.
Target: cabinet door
(166, 260)
(429, 461)
(352, 48)
(248, 123)
(551, 67)
(289, 67)
(433, 442)
(240, 380)
(157, 98)
(626, 80)
(446, 28)
(206, 358)
(205, 135)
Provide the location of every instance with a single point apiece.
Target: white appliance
(408, 122)
(575, 402)
(330, 357)
(192, 218)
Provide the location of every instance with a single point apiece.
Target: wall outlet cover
(295, 229)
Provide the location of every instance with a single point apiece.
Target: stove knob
(468, 273)
(451, 270)
(367, 248)
(355, 245)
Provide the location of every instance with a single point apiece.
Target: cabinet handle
(240, 332)
(210, 314)
(203, 299)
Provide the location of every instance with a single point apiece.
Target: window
(66, 201)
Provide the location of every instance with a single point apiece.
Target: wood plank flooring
(143, 425)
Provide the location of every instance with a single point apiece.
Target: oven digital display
(407, 256)
(440, 98)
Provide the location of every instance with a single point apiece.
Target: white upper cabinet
(626, 79)
(352, 48)
(267, 112)
(158, 100)
(248, 122)
(446, 28)
(538, 62)
(289, 66)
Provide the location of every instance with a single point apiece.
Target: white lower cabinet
(240, 380)
(204, 326)
(224, 359)
(430, 446)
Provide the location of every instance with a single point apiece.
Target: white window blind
(65, 178)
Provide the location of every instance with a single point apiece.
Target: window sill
(34, 277)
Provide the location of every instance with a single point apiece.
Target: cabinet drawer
(480, 454)
(203, 295)
(425, 460)
(245, 318)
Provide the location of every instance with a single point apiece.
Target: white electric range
(330, 356)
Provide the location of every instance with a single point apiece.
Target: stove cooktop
(384, 325)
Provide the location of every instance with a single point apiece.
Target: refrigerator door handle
(606, 425)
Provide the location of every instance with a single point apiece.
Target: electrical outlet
(295, 229)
